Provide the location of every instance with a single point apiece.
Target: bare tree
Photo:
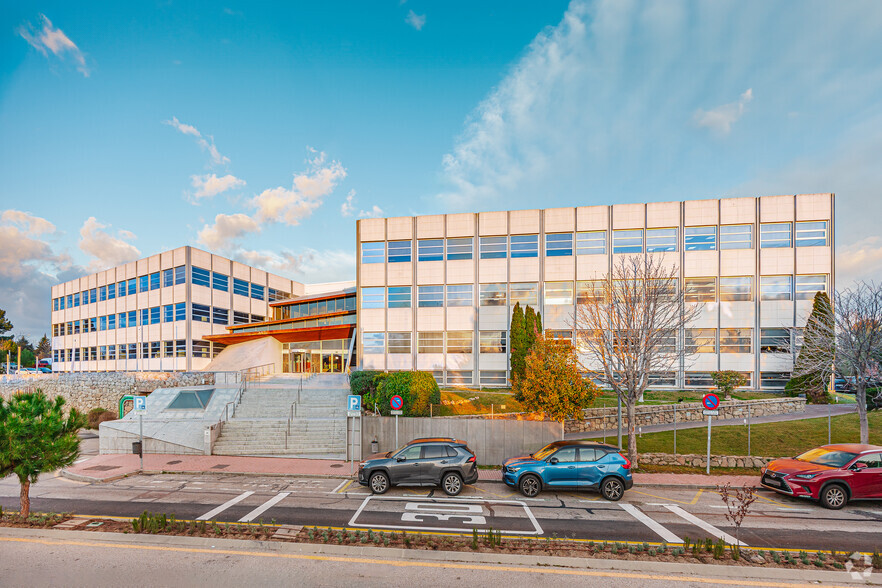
(627, 327)
(854, 331)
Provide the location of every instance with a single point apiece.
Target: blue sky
(263, 130)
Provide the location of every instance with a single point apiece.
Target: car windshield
(545, 451)
(827, 457)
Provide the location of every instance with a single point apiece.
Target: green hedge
(417, 389)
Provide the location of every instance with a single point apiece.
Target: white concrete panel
(399, 361)
(459, 319)
(241, 271)
(399, 274)
(803, 311)
(737, 314)
(737, 262)
(460, 271)
(430, 227)
(776, 261)
(400, 227)
(707, 318)
(592, 218)
(701, 362)
(429, 319)
(775, 209)
(460, 361)
(524, 269)
(372, 320)
(373, 361)
(592, 267)
(522, 222)
(180, 256)
(492, 270)
(372, 229)
(460, 225)
(493, 318)
(493, 361)
(700, 263)
(813, 260)
(776, 313)
(814, 207)
(493, 223)
(373, 274)
(740, 362)
(558, 316)
(663, 214)
(560, 220)
(737, 211)
(430, 272)
(775, 362)
(198, 294)
(200, 258)
(560, 268)
(628, 216)
(400, 319)
(701, 212)
(430, 361)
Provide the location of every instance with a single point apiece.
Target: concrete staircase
(276, 417)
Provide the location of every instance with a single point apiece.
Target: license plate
(771, 482)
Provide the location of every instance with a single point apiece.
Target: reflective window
(774, 380)
(701, 340)
(527, 293)
(808, 286)
(93, 295)
(736, 340)
(460, 248)
(373, 342)
(430, 296)
(774, 235)
(240, 318)
(111, 293)
(736, 237)
(661, 240)
(558, 244)
(628, 241)
(701, 290)
(663, 379)
(493, 341)
(430, 250)
(700, 238)
(735, 289)
(111, 321)
(493, 294)
(200, 277)
(257, 291)
(589, 291)
(565, 454)
(492, 377)
(399, 251)
(154, 315)
(811, 234)
(459, 295)
(494, 247)
(699, 379)
(132, 287)
(557, 293)
(220, 282)
(102, 323)
(123, 320)
(200, 313)
(524, 246)
(776, 288)
(430, 342)
(220, 316)
(274, 295)
(559, 334)
(459, 341)
(399, 342)
(240, 287)
(591, 243)
(102, 295)
(373, 252)
(372, 298)
(143, 283)
(774, 340)
(459, 377)
(154, 281)
(399, 297)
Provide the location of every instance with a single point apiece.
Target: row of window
(145, 283)
(739, 288)
(314, 308)
(703, 238)
(435, 342)
(152, 316)
(768, 380)
(144, 350)
(218, 281)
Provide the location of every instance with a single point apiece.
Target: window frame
(591, 242)
(666, 242)
(622, 238)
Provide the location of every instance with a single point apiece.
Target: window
(111, 352)
(700, 238)
(399, 297)
(524, 246)
(736, 289)
(111, 321)
(373, 342)
(558, 293)
(808, 286)
(527, 293)
(102, 296)
(181, 311)
(811, 234)
(120, 290)
(736, 340)
(399, 342)
(459, 377)
(202, 349)
(774, 341)
(459, 341)
(373, 252)
(154, 315)
(132, 287)
(256, 318)
(701, 290)
(736, 236)
(589, 291)
(240, 318)
(774, 380)
(560, 335)
(102, 353)
(776, 288)
(591, 243)
(667, 379)
(566, 454)
(494, 247)
(123, 323)
(111, 292)
(274, 295)
(493, 294)
(145, 317)
(102, 323)
(699, 379)
(661, 240)
(168, 313)
(200, 277)
(168, 277)
(220, 316)
(154, 281)
(430, 296)
(373, 297)
(430, 342)
(93, 295)
(701, 340)
(459, 295)
(460, 248)
(430, 250)
(629, 241)
(493, 341)
(558, 244)
(257, 291)
(220, 282)
(399, 251)
(240, 287)
(201, 313)
(133, 350)
(76, 299)
(774, 235)
(191, 399)
(492, 377)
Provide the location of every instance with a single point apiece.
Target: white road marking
(791, 509)
(343, 483)
(652, 524)
(264, 507)
(215, 511)
(703, 525)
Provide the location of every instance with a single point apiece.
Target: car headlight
(362, 464)
(805, 476)
(513, 469)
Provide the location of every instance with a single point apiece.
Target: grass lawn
(784, 439)
(471, 401)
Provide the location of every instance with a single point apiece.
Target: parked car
(441, 461)
(570, 464)
(28, 370)
(843, 385)
(831, 474)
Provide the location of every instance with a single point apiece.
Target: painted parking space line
(704, 525)
(264, 507)
(656, 527)
(339, 488)
(216, 511)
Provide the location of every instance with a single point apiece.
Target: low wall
(599, 419)
(491, 440)
(87, 390)
(722, 461)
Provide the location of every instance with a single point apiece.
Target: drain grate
(102, 468)
(173, 462)
(336, 465)
(220, 466)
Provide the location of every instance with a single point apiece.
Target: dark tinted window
(566, 454)
(412, 452)
(434, 451)
(589, 454)
(451, 452)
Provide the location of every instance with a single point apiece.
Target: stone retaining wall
(87, 390)
(722, 461)
(599, 419)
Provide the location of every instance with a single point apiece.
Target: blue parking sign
(354, 402)
(140, 403)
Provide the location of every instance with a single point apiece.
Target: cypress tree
(817, 343)
(529, 329)
(518, 343)
(538, 322)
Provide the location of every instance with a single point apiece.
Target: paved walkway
(812, 411)
(103, 468)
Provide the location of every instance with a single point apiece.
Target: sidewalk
(104, 468)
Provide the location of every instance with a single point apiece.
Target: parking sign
(140, 403)
(353, 402)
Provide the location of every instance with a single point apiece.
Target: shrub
(97, 416)
(363, 382)
(417, 389)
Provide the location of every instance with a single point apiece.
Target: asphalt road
(645, 514)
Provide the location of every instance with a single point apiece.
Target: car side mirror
(400, 458)
(553, 460)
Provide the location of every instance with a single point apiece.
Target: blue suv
(570, 464)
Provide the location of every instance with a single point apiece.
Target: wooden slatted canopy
(291, 335)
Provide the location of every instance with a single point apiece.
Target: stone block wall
(599, 419)
(722, 461)
(87, 390)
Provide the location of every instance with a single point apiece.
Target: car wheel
(834, 497)
(379, 483)
(530, 486)
(612, 489)
(451, 484)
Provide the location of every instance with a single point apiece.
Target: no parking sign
(396, 402)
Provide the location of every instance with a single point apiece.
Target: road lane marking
(343, 483)
(697, 496)
(216, 511)
(651, 523)
(264, 507)
(704, 525)
(662, 497)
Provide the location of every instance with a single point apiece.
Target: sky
(263, 130)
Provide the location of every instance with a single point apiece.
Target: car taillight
(472, 459)
(627, 465)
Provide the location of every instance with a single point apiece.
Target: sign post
(353, 411)
(711, 404)
(397, 404)
(140, 408)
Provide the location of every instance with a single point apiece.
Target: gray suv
(440, 461)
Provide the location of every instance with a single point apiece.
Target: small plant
(325, 536)
(696, 549)
(686, 542)
(876, 559)
(615, 549)
(789, 557)
(645, 546)
(776, 557)
(591, 545)
(803, 556)
(821, 556)
(736, 553)
(364, 539)
(310, 534)
(708, 544)
(370, 535)
(474, 538)
(634, 548)
(652, 552)
(719, 549)
(663, 548)
(340, 537)
(838, 565)
(386, 541)
(605, 544)
(738, 502)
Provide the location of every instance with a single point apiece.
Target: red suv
(832, 474)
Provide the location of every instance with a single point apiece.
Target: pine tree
(529, 328)
(816, 343)
(538, 322)
(5, 325)
(518, 343)
(44, 348)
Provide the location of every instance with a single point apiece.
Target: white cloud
(348, 208)
(210, 185)
(107, 250)
(54, 40)
(33, 225)
(227, 230)
(417, 21)
(307, 193)
(309, 266)
(207, 144)
(721, 118)
(375, 212)
(860, 261)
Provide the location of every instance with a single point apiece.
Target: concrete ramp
(242, 356)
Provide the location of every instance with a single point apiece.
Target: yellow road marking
(697, 496)
(343, 489)
(421, 564)
(661, 497)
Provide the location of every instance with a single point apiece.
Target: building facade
(436, 292)
(155, 314)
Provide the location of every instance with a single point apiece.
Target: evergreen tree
(5, 325)
(44, 348)
(816, 343)
(529, 328)
(518, 343)
(24, 344)
(538, 322)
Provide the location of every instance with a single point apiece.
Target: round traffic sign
(396, 402)
(711, 401)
